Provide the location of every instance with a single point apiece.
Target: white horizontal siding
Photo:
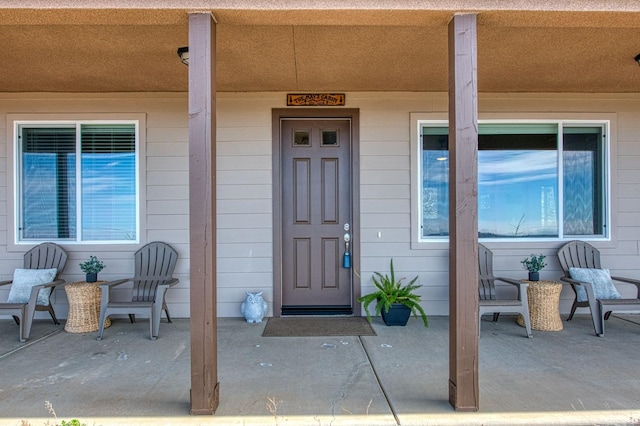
(166, 177)
(385, 146)
(244, 188)
(241, 148)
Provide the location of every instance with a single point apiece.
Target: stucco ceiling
(108, 50)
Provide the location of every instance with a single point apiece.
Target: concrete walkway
(570, 377)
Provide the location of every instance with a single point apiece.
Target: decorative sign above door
(315, 99)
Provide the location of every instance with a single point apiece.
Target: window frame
(14, 124)
(606, 121)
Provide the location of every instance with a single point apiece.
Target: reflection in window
(583, 181)
(47, 183)
(301, 138)
(329, 137)
(96, 161)
(518, 181)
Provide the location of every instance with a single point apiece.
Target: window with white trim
(542, 180)
(77, 181)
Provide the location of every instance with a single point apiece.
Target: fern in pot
(91, 267)
(391, 296)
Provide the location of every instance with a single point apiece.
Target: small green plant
(49, 407)
(534, 263)
(92, 266)
(390, 291)
(72, 422)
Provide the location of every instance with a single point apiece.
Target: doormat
(317, 326)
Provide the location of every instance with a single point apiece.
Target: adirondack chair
(153, 276)
(42, 267)
(489, 303)
(599, 293)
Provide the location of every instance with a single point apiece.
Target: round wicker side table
(84, 307)
(544, 305)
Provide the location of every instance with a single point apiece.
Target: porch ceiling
(108, 50)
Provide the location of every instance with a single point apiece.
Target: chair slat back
(46, 256)
(578, 254)
(486, 287)
(154, 264)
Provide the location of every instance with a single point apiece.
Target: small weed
(49, 407)
(272, 407)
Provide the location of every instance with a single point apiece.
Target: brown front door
(316, 214)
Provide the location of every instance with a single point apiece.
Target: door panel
(316, 204)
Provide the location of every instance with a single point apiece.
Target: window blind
(48, 209)
(108, 182)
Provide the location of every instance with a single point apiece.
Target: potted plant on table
(534, 264)
(91, 267)
(395, 301)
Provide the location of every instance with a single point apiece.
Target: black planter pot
(92, 278)
(534, 276)
(398, 314)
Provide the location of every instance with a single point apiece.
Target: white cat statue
(254, 308)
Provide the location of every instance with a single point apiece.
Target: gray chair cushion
(600, 279)
(24, 279)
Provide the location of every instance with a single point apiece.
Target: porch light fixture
(183, 52)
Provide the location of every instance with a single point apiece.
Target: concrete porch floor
(400, 376)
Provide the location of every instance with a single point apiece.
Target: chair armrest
(165, 285)
(522, 286)
(171, 282)
(512, 281)
(160, 292)
(55, 283)
(36, 288)
(105, 290)
(591, 295)
(570, 280)
(114, 283)
(33, 296)
(589, 288)
(629, 281)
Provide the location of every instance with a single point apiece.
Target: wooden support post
(463, 214)
(202, 213)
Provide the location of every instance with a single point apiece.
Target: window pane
(517, 181)
(47, 198)
(108, 182)
(517, 193)
(301, 138)
(583, 180)
(329, 137)
(435, 182)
